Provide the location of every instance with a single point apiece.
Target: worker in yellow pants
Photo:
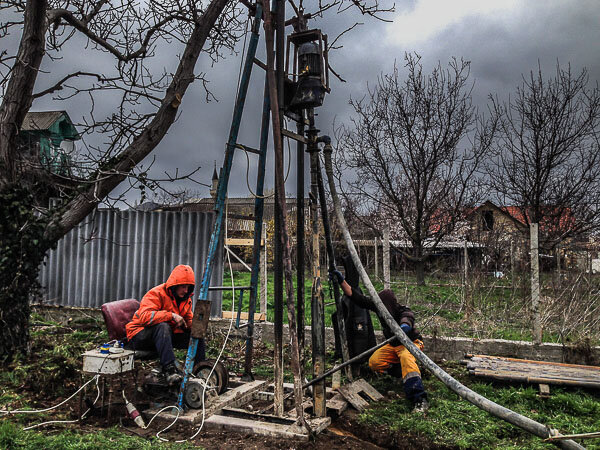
(393, 358)
(388, 355)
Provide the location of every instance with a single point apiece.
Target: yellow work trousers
(387, 355)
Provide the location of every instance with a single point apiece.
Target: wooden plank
(544, 390)
(369, 390)
(277, 430)
(351, 392)
(237, 396)
(355, 400)
(337, 404)
(218, 422)
(258, 317)
(294, 136)
(531, 361)
(242, 242)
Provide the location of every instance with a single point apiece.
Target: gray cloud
(501, 43)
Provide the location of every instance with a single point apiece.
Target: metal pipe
(317, 300)
(282, 232)
(216, 237)
(343, 336)
(300, 248)
(347, 363)
(384, 315)
(258, 223)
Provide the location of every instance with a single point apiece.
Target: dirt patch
(381, 436)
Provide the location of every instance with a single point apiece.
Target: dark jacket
(400, 313)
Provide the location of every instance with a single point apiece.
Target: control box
(96, 362)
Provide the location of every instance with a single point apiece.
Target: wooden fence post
(513, 271)
(535, 285)
(376, 258)
(386, 257)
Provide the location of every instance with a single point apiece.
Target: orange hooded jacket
(158, 305)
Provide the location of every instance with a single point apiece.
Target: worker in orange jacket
(393, 358)
(164, 319)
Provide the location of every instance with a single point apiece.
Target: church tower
(215, 183)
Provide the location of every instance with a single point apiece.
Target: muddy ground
(54, 366)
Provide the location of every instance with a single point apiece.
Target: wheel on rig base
(219, 378)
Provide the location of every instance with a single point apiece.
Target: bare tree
(546, 161)
(546, 157)
(147, 102)
(411, 155)
(147, 97)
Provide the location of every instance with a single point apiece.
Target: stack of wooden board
(535, 372)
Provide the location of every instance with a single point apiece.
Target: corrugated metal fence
(122, 254)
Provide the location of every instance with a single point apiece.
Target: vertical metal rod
(317, 300)
(278, 409)
(343, 336)
(258, 228)
(263, 272)
(215, 237)
(282, 234)
(300, 248)
(239, 312)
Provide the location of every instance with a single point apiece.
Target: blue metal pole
(258, 221)
(240, 304)
(222, 188)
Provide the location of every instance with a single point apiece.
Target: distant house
(511, 220)
(490, 218)
(48, 139)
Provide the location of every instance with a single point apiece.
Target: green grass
(27, 382)
(454, 422)
(243, 279)
(13, 437)
(497, 312)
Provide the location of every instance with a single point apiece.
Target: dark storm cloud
(502, 39)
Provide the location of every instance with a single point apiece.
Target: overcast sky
(502, 38)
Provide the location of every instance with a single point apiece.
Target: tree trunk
(24, 243)
(420, 271)
(14, 332)
(22, 250)
(18, 96)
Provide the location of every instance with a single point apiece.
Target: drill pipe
(471, 396)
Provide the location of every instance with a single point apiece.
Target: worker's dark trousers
(161, 338)
(412, 384)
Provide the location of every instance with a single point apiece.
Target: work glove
(336, 274)
(406, 328)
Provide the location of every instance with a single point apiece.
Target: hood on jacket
(181, 274)
(351, 273)
(389, 300)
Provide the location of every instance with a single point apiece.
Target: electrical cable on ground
(203, 382)
(224, 343)
(38, 411)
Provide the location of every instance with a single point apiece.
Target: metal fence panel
(122, 254)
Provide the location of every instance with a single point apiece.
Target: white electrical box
(95, 362)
